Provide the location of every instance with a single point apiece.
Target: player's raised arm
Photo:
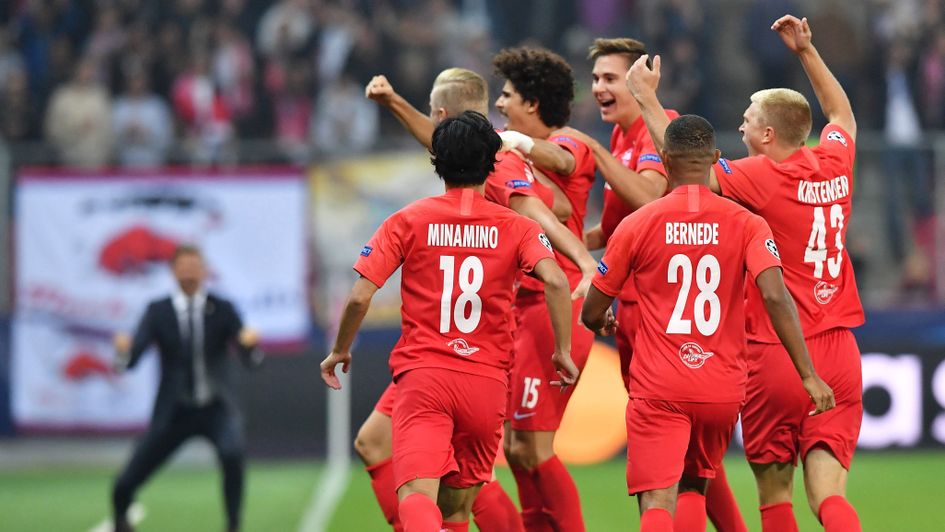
(543, 153)
(558, 300)
(796, 35)
(561, 238)
(359, 301)
(418, 124)
(783, 314)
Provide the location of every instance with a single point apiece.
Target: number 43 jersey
(807, 200)
(690, 252)
(461, 255)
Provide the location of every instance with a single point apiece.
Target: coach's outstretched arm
(561, 238)
(833, 100)
(558, 300)
(359, 301)
(418, 124)
(783, 314)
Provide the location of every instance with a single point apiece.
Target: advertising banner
(90, 252)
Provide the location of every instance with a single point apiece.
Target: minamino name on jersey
(463, 236)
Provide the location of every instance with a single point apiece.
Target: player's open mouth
(606, 105)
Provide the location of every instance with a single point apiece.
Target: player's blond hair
(632, 49)
(458, 90)
(787, 112)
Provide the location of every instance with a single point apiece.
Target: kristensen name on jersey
(820, 192)
(463, 236)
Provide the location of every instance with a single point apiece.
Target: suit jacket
(221, 327)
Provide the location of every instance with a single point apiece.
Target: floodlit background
(127, 126)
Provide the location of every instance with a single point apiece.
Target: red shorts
(628, 319)
(446, 425)
(775, 421)
(385, 404)
(666, 439)
(534, 404)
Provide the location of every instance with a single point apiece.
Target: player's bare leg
(657, 508)
(546, 490)
(418, 509)
(690, 511)
(775, 483)
(825, 480)
(373, 445)
(455, 505)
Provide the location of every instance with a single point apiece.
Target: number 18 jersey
(807, 199)
(461, 255)
(689, 253)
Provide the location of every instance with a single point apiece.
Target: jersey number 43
(817, 250)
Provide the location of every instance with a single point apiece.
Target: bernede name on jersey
(463, 236)
(821, 192)
(692, 233)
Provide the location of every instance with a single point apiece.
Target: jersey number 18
(470, 281)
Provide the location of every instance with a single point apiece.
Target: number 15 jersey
(461, 255)
(689, 252)
(807, 199)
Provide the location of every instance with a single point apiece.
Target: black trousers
(218, 423)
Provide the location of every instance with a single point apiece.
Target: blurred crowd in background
(143, 83)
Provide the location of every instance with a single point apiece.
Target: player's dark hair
(464, 149)
(631, 49)
(542, 77)
(690, 135)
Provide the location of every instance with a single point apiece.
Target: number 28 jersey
(461, 255)
(807, 199)
(689, 253)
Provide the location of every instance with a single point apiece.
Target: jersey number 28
(470, 281)
(708, 276)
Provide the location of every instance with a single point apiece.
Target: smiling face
(609, 87)
(517, 111)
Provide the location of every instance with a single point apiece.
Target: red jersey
(577, 187)
(807, 199)
(689, 253)
(513, 176)
(634, 148)
(460, 255)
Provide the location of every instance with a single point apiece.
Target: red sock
(533, 517)
(382, 482)
(778, 517)
(494, 511)
(837, 515)
(418, 513)
(690, 512)
(456, 527)
(559, 495)
(721, 506)
(656, 520)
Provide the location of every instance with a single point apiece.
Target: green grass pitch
(891, 491)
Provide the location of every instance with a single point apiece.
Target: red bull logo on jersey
(824, 291)
(693, 356)
(461, 347)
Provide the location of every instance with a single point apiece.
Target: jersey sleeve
(744, 180)
(533, 247)
(581, 152)
(614, 267)
(648, 157)
(761, 252)
(837, 144)
(383, 253)
(508, 179)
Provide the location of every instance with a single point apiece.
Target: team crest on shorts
(544, 241)
(772, 248)
(692, 355)
(824, 291)
(462, 347)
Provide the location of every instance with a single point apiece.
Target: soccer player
(536, 99)
(460, 257)
(805, 196)
(692, 251)
(511, 185)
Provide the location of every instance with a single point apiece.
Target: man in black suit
(192, 330)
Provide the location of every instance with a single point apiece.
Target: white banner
(91, 251)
